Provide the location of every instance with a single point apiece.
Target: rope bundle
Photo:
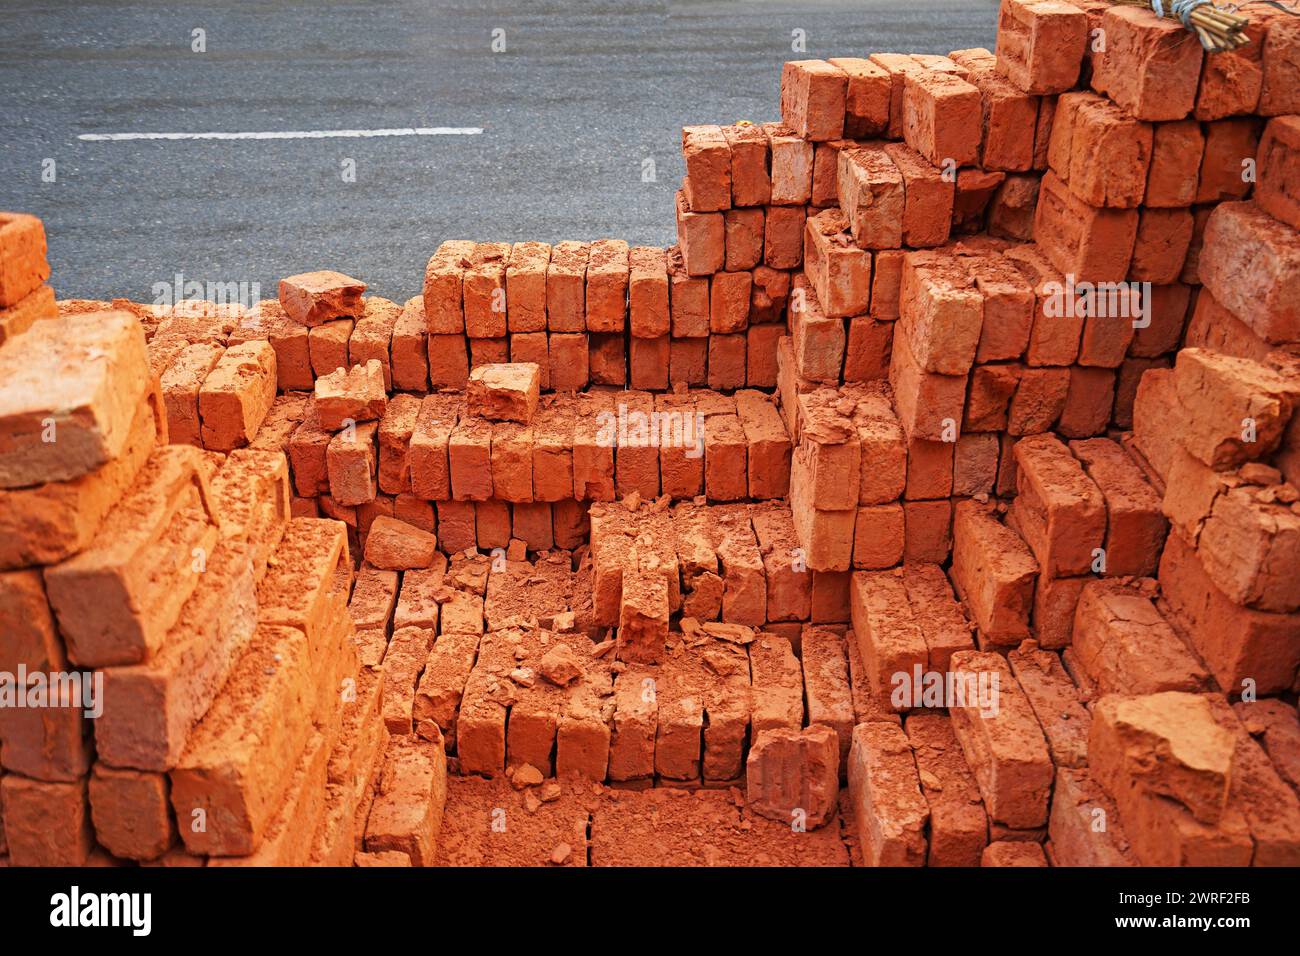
(1217, 29)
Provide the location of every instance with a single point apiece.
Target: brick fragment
(794, 775)
(313, 298)
(504, 392)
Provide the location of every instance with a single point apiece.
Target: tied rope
(1182, 9)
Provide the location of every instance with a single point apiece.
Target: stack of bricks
(221, 713)
(605, 314)
(447, 463)
(881, 479)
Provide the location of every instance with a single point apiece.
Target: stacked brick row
(221, 714)
(1227, 465)
(600, 313)
(428, 458)
(452, 464)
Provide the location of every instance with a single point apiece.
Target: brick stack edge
(332, 553)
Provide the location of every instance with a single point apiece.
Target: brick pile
(212, 624)
(876, 511)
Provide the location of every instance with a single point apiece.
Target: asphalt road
(582, 96)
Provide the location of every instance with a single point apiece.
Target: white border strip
(291, 134)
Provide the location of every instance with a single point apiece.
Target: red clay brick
(1003, 742)
(1041, 45)
(871, 193)
(1090, 243)
(813, 99)
(701, 238)
(838, 271)
(566, 287)
(941, 118)
(708, 168)
(1229, 145)
(1124, 645)
(1251, 263)
(1279, 170)
(994, 572)
(793, 775)
(1148, 68)
(1058, 510)
(867, 97)
(751, 183)
(885, 792)
(791, 167)
(54, 386)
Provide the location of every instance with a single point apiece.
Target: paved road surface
(583, 94)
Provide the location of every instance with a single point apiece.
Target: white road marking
(292, 134)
